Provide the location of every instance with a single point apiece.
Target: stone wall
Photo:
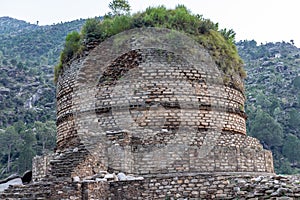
(230, 153)
(95, 190)
(41, 167)
(207, 106)
(178, 186)
(207, 186)
(51, 189)
(73, 162)
(151, 111)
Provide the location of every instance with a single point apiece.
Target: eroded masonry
(146, 115)
(150, 110)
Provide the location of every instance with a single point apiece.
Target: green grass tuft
(219, 43)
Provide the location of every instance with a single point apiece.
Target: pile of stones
(269, 186)
(109, 177)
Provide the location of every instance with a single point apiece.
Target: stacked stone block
(149, 100)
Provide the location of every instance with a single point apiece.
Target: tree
(13, 62)
(296, 82)
(26, 150)
(20, 65)
(267, 130)
(4, 62)
(119, 7)
(72, 46)
(294, 119)
(291, 147)
(9, 143)
(91, 30)
(263, 100)
(229, 35)
(45, 133)
(25, 158)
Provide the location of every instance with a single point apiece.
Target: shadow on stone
(27, 177)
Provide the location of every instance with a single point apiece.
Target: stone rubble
(106, 176)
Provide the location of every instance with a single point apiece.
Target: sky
(261, 20)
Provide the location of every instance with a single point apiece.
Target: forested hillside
(31, 44)
(273, 99)
(27, 93)
(29, 52)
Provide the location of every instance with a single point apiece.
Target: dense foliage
(20, 142)
(32, 44)
(220, 43)
(273, 100)
(27, 92)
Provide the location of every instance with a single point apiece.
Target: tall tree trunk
(9, 158)
(44, 144)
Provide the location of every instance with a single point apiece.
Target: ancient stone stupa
(152, 101)
(146, 115)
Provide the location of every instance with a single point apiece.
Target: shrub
(71, 48)
(91, 31)
(72, 45)
(219, 43)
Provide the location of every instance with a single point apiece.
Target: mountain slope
(27, 55)
(34, 44)
(10, 25)
(273, 99)
(27, 92)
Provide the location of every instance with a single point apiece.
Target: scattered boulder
(121, 176)
(112, 177)
(76, 179)
(109, 177)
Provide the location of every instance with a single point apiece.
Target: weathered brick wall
(66, 131)
(41, 167)
(76, 161)
(151, 111)
(207, 186)
(93, 190)
(210, 105)
(185, 94)
(50, 189)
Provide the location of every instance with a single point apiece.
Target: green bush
(91, 31)
(115, 25)
(219, 43)
(71, 48)
(72, 45)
